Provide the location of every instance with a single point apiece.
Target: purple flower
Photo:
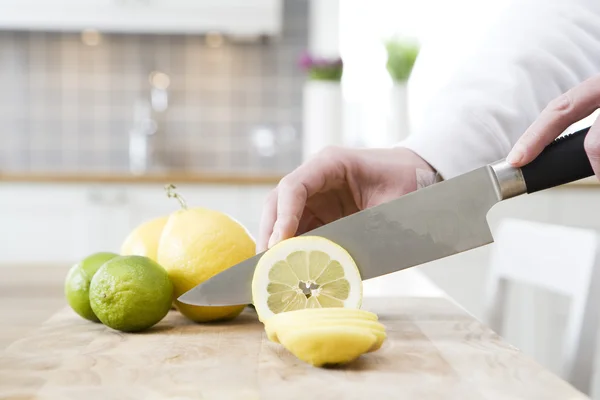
(305, 61)
(321, 68)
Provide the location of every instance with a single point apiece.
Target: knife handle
(562, 161)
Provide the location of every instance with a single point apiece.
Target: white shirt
(477, 89)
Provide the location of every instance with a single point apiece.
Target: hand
(333, 184)
(574, 105)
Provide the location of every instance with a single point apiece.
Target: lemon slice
(305, 272)
(329, 345)
(280, 324)
(375, 327)
(314, 313)
(316, 316)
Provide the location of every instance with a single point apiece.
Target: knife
(438, 221)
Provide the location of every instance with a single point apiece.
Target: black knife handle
(562, 161)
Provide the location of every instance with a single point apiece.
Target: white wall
(323, 39)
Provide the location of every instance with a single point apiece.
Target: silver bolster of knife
(510, 181)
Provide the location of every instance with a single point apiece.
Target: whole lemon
(197, 244)
(143, 240)
(131, 293)
(77, 283)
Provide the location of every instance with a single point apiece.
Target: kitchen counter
(434, 350)
(29, 295)
(182, 177)
(207, 177)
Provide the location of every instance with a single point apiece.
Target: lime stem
(172, 194)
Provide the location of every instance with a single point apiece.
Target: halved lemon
(305, 272)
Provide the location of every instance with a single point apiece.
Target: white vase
(398, 123)
(322, 116)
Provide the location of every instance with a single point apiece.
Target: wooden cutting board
(435, 350)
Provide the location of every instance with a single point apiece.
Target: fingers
(268, 218)
(295, 189)
(290, 204)
(592, 146)
(576, 104)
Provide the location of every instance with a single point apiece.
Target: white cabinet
(57, 224)
(102, 220)
(237, 17)
(38, 225)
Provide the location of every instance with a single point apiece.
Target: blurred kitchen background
(94, 100)
(103, 102)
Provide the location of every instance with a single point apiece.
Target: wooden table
(29, 295)
(435, 350)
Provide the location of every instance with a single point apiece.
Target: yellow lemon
(195, 245)
(143, 240)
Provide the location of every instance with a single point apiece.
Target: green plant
(402, 55)
(322, 69)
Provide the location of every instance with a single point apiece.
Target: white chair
(563, 260)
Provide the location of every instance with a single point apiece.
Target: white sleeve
(473, 93)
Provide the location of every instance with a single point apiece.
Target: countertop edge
(222, 178)
(163, 178)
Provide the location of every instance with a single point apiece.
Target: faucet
(148, 116)
(140, 149)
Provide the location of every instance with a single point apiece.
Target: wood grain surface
(435, 350)
(29, 295)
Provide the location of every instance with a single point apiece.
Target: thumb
(574, 105)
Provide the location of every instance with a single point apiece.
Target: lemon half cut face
(305, 272)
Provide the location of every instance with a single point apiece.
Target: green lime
(77, 283)
(131, 293)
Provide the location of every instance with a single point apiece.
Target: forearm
(531, 53)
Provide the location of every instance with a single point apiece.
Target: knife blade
(438, 221)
